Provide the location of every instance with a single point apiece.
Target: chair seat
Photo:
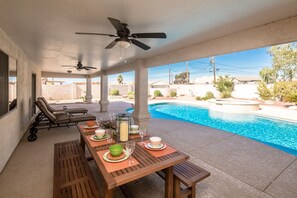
(76, 110)
(62, 118)
(82, 118)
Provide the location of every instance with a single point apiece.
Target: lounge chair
(47, 119)
(64, 110)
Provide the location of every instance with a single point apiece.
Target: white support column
(89, 90)
(141, 114)
(103, 92)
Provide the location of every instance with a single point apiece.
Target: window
(8, 83)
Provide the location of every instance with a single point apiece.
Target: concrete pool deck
(239, 167)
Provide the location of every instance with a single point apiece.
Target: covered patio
(40, 37)
(239, 167)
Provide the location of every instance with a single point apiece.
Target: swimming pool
(278, 134)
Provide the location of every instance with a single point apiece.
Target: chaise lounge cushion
(76, 110)
(40, 104)
(66, 118)
(62, 118)
(65, 110)
(82, 118)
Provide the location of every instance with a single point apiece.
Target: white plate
(92, 127)
(114, 161)
(93, 138)
(134, 133)
(159, 148)
(155, 147)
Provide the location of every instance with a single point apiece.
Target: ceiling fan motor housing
(79, 64)
(124, 32)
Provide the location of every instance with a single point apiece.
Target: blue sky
(244, 63)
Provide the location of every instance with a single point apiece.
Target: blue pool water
(278, 134)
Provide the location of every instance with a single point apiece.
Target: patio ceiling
(45, 29)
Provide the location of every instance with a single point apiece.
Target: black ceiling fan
(79, 66)
(124, 38)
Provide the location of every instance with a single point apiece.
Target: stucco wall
(68, 91)
(14, 124)
(240, 90)
(123, 89)
(194, 90)
(72, 91)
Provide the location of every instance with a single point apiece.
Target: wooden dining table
(147, 163)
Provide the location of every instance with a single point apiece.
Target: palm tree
(120, 79)
(268, 75)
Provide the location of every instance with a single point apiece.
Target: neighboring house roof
(247, 78)
(159, 82)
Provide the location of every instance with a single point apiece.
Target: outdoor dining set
(123, 152)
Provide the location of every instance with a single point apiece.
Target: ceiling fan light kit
(123, 42)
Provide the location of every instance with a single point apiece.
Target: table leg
(169, 182)
(107, 193)
(82, 142)
(176, 187)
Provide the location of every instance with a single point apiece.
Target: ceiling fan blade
(116, 24)
(111, 45)
(89, 67)
(90, 33)
(149, 35)
(140, 44)
(85, 68)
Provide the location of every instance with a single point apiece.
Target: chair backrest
(13, 104)
(42, 107)
(51, 109)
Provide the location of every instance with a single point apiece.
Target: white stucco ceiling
(45, 29)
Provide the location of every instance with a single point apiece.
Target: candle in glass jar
(124, 127)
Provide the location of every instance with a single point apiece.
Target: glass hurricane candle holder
(123, 126)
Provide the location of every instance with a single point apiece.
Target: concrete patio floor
(239, 167)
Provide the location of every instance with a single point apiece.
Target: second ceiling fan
(124, 38)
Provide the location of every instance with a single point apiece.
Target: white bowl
(134, 128)
(155, 141)
(100, 133)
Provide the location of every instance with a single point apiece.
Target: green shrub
(157, 93)
(131, 95)
(114, 92)
(209, 95)
(285, 91)
(173, 93)
(226, 94)
(264, 92)
(225, 86)
(198, 98)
